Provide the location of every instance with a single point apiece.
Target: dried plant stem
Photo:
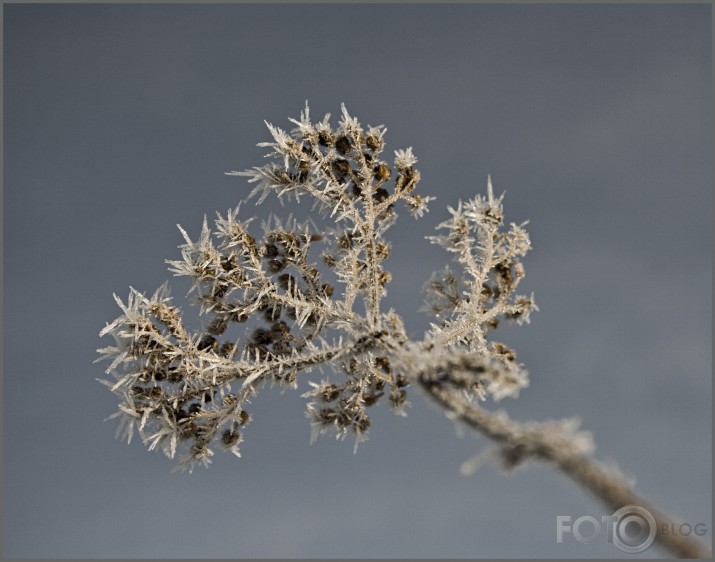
(519, 442)
(270, 314)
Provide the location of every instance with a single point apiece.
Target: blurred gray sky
(120, 121)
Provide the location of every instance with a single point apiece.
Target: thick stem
(521, 441)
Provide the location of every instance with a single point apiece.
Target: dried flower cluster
(294, 297)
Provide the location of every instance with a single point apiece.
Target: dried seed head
(227, 349)
(383, 363)
(380, 195)
(341, 168)
(345, 241)
(503, 269)
(230, 437)
(362, 423)
(276, 265)
(262, 336)
(374, 142)
(228, 263)
(325, 138)
(370, 398)
(398, 398)
(286, 281)
(342, 145)
(269, 250)
(383, 250)
(328, 392)
(382, 172)
(207, 343)
(401, 381)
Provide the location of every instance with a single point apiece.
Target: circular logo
(634, 529)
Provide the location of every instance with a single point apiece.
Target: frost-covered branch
(281, 300)
(560, 444)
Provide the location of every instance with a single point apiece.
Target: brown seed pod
(328, 392)
(382, 172)
(380, 195)
(373, 142)
(342, 145)
(325, 138)
(207, 343)
(226, 349)
(341, 167)
(269, 250)
(230, 437)
(276, 265)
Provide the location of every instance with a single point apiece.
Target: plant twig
(520, 442)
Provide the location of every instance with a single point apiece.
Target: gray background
(120, 122)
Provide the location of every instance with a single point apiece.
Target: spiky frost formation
(291, 297)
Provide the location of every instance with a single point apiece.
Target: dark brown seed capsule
(269, 250)
(329, 392)
(276, 265)
(382, 172)
(227, 263)
(325, 138)
(284, 280)
(371, 398)
(380, 195)
(226, 349)
(345, 241)
(207, 342)
(341, 168)
(174, 375)
(373, 142)
(230, 438)
(362, 423)
(401, 381)
(383, 363)
(155, 393)
(262, 337)
(280, 330)
(342, 145)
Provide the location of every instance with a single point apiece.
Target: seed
(342, 145)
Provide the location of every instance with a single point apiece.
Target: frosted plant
(288, 298)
